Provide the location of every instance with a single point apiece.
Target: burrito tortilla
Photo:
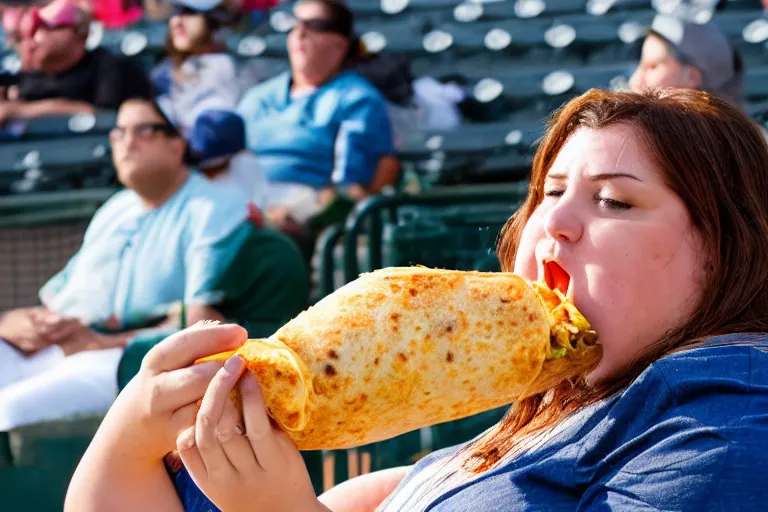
(404, 348)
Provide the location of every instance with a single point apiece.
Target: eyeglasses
(67, 19)
(319, 25)
(143, 131)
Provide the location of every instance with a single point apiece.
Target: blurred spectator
(320, 129)
(63, 77)
(688, 55)
(683, 54)
(117, 13)
(413, 105)
(199, 73)
(255, 10)
(217, 141)
(165, 240)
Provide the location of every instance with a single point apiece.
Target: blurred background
(461, 93)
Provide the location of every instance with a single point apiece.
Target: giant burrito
(403, 348)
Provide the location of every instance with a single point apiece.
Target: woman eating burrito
(646, 212)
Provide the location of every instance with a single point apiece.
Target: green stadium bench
(90, 150)
(371, 215)
(68, 126)
(37, 462)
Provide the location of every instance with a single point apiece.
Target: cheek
(643, 281)
(526, 265)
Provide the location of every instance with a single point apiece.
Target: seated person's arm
(40, 108)
(364, 493)
(364, 149)
(387, 173)
(205, 262)
(194, 314)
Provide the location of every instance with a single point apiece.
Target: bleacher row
(517, 60)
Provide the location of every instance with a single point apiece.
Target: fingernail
(188, 443)
(234, 365)
(250, 383)
(239, 430)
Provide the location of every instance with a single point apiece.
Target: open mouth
(556, 277)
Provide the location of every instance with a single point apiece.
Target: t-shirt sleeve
(364, 137)
(101, 219)
(677, 472)
(689, 443)
(119, 79)
(217, 235)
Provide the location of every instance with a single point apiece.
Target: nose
(299, 30)
(563, 222)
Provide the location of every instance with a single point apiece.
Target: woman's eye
(612, 204)
(553, 193)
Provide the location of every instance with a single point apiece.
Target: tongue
(557, 278)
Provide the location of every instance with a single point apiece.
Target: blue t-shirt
(335, 134)
(689, 434)
(136, 262)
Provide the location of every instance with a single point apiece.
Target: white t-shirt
(247, 178)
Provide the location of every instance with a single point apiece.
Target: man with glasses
(62, 77)
(153, 257)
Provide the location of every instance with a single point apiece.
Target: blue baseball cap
(216, 136)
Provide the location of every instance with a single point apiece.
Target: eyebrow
(605, 176)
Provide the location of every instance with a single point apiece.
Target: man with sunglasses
(158, 246)
(319, 130)
(63, 77)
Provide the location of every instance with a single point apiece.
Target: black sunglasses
(143, 131)
(320, 25)
(182, 10)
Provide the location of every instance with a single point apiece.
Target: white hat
(199, 5)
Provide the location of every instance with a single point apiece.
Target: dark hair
(344, 19)
(172, 129)
(716, 160)
(215, 19)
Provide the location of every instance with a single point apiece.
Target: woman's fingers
(179, 388)
(187, 346)
(258, 428)
(210, 415)
(235, 445)
(190, 456)
(183, 418)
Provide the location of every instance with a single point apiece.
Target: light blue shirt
(137, 262)
(336, 133)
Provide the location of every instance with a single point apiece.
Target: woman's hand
(123, 468)
(161, 401)
(244, 465)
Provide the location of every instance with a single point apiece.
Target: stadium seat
(57, 164)
(67, 126)
(43, 458)
(756, 84)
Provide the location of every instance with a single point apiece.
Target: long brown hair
(716, 160)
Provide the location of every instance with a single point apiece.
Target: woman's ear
(692, 78)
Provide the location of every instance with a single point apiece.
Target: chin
(181, 44)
